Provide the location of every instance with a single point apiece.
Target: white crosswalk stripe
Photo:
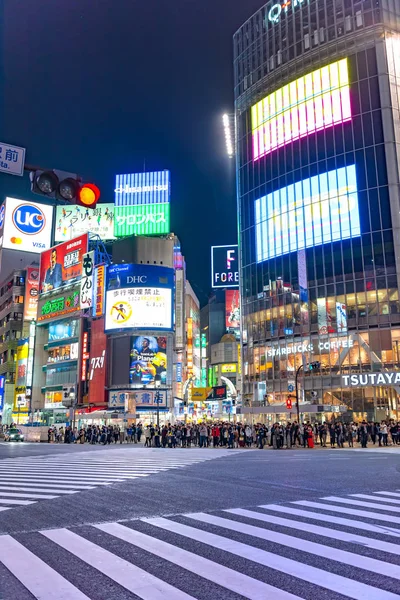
(40, 478)
(263, 552)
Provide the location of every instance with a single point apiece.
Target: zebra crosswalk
(30, 479)
(290, 551)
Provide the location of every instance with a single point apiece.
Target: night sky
(101, 87)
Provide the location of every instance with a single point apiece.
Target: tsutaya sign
(371, 379)
(274, 14)
(304, 347)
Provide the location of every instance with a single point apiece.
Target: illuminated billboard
(142, 219)
(25, 226)
(311, 212)
(315, 101)
(142, 188)
(232, 311)
(74, 220)
(62, 264)
(139, 297)
(148, 360)
(31, 294)
(142, 204)
(224, 266)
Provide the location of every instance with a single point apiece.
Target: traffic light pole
(297, 393)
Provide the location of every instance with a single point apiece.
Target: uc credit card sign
(26, 226)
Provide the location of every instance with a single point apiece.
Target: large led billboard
(148, 360)
(315, 101)
(62, 264)
(74, 220)
(25, 226)
(142, 204)
(311, 212)
(139, 297)
(142, 219)
(142, 188)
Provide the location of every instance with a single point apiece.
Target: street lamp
(313, 366)
(226, 120)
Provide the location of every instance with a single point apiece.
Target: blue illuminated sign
(2, 389)
(142, 188)
(311, 212)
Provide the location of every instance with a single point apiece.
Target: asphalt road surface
(84, 522)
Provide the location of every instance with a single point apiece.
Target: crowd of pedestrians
(279, 435)
(239, 435)
(95, 434)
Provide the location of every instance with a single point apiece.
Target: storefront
(358, 371)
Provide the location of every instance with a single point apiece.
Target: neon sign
(276, 10)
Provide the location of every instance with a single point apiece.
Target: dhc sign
(386, 378)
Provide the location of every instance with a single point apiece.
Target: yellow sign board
(231, 368)
(200, 394)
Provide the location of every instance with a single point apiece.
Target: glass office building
(317, 105)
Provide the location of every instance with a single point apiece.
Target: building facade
(317, 105)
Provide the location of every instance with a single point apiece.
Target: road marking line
(368, 497)
(325, 579)
(39, 489)
(361, 503)
(40, 580)
(228, 578)
(381, 529)
(121, 571)
(348, 558)
(21, 502)
(349, 511)
(71, 486)
(18, 495)
(60, 478)
(389, 494)
(333, 534)
(84, 472)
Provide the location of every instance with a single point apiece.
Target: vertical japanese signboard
(99, 280)
(86, 296)
(31, 294)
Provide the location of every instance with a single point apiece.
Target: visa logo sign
(38, 245)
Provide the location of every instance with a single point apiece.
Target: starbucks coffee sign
(387, 378)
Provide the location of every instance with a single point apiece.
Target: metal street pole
(158, 409)
(297, 393)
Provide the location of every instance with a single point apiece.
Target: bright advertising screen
(142, 219)
(232, 311)
(26, 226)
(139, 297)
(62, 264)
(308, 213)
(148, 360)
(315, 101)
(142, 204)
(74, 220)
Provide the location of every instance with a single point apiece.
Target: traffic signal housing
(289, 403)
(64, 186)
(314, 366)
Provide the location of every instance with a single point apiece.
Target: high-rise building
(317, 105)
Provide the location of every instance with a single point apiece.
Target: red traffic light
(88, 195)
(289, 404)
